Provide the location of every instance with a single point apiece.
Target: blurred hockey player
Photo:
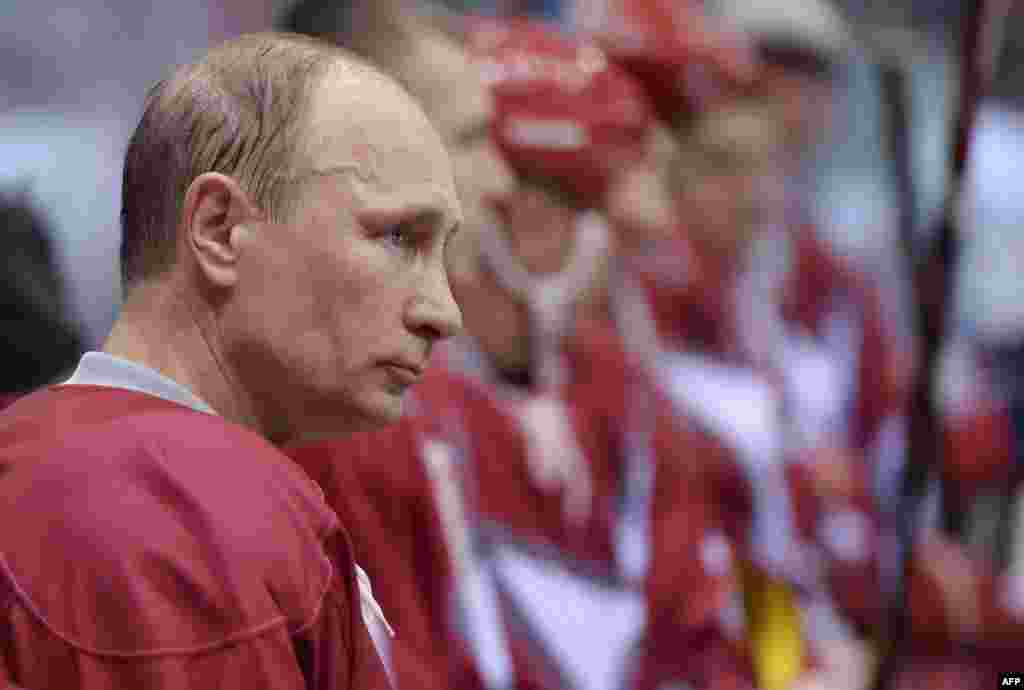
(706, 310)
(561, 139)
(845, 375)
(798, 315)
(673, 300)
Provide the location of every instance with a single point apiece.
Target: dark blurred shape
(1008, 77)
(40, 340)
(316, 17)
(1008, 363)
(927, 15)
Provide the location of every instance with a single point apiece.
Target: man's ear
(214, 211)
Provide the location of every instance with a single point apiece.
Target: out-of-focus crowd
(672, 447)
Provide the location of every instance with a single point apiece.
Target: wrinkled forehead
(368, 126)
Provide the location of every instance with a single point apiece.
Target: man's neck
(180, 344)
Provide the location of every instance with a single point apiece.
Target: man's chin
(378, 412)
(384, 409)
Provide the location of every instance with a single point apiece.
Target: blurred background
(74, 76)
(919, 189)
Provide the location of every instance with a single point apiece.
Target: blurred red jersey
(791, 371)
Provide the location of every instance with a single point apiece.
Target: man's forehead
(373, 111)
(380, 144)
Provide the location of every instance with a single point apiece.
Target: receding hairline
(336, 63)
(363, 84)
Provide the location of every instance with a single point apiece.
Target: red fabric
(978, 450)
(694, 313)
(1001, 629)
(996, 644)
(562, 111)
(930, 627)
(8, 399)
(378, 484)
(977, 428)
(690, 306)
(978, 457)
(686, 640)
(818, 280)
(385, 493)
(161, 547)
(855, 584)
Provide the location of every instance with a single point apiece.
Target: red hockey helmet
(683, 59)
(563, 111)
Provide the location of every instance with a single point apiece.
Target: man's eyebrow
(423, 216)
(416, 214)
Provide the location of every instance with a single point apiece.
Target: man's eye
(401, 236)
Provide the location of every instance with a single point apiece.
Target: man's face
(539, 231)
(805, 105)
(343, 301)
(727, 179)
(640, 209)
(498, 321)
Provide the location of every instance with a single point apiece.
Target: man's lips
(407, 372)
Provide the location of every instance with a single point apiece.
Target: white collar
(102, 369)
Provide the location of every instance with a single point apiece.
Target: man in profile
(286, 211)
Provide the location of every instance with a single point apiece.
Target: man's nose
(434, 313)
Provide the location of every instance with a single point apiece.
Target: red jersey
(782, 366)
(500, 574)
(835, 322)
(681, 323)
(147, 544)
